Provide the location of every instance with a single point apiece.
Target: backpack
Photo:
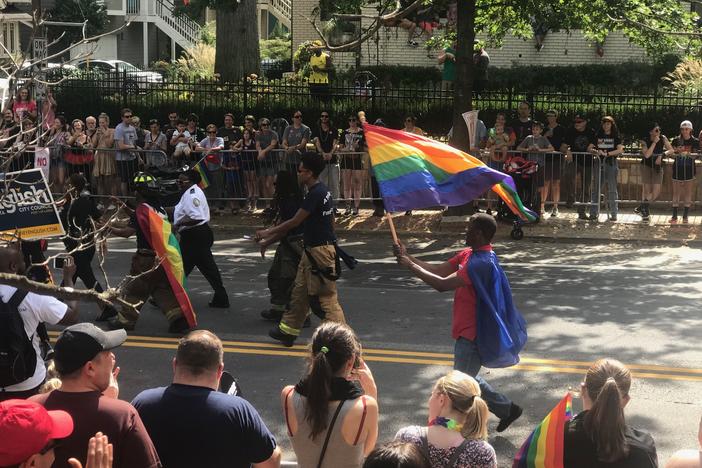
(18, 359)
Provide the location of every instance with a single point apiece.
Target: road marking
(421, 358)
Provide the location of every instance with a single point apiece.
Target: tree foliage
(78, 11)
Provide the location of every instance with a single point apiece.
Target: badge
(196, 202)
(192, 190)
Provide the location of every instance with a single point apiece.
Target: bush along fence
(210, 100)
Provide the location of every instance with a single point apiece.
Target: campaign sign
(27, 207)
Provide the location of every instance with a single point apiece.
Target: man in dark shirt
(326, 139)
(168, 129)
(579, 139)
(88, 392)
(315, 282)
(521, 126)
(193, 425)
(229, 133)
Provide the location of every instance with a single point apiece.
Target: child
(537, 144)
(181, 138)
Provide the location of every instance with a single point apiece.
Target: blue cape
(501, 329)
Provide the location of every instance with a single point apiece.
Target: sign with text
(42, 161)
(27, 207)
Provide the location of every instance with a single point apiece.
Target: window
(10, 37)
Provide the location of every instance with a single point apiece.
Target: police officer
(190, 219)
(147, 282)
(315, 282)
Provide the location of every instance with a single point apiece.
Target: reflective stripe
(289, 330)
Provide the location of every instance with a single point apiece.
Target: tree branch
(645, 26)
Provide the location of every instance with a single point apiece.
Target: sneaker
(107, 313)
(100, 207)
(593, 217)
(582, 215)
(673, 220)
(179, 326)
(554, 213)
(684, 219)
(219, 303)
(613, 218)
(115, 324)
(488, 212)
(379, 212)
(348, 211)
(272, 315)
(408, 213)
(285, 339)
(645, 218)
(514, 413)
(638, 210)
(354, 212)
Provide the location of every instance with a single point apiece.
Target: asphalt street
(637, 303)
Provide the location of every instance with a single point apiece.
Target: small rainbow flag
(204, 174)
(544, 447)
(164, 243)
(416, 172)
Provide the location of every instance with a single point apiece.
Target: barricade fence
(246, 178)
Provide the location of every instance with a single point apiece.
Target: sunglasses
(127, 116)
(211, 133)
(352, 120)
(408, 120)
(325, 116)
(297, 116)
(265, 125)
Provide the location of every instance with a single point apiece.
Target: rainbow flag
(204, 174)
(417, 172)
(544, 447)
(164, 243)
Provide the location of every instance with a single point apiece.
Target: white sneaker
(554, 212)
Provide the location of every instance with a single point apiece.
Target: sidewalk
(565, 227)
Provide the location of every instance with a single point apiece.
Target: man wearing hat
(581, 140)
(86, 366)
(150, 279)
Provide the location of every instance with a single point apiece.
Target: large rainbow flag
(164, 243)
(416, 172)
(544, 447)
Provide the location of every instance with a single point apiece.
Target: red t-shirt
(22, 108)
(464, 302)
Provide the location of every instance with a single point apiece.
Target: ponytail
(475, 425)
(318, 385)
(607, 384)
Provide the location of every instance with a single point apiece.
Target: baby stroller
(524, 173)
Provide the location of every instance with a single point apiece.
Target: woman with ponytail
(599, 435)
(332, 413)
(455, 437)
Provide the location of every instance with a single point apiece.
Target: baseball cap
(580, 117)
(27, 427)
(686, 124)
(80, 343)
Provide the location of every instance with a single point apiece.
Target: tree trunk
(237, 53)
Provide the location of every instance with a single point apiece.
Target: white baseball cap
(686, 124)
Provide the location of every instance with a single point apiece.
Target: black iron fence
(431, 104)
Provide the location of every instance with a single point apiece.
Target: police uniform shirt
(192, 207)
(318, 228)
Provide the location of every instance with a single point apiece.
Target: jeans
(467, 360)
(608, 174)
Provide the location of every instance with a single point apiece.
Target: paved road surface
(581, 302)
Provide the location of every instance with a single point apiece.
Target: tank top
(339, 453)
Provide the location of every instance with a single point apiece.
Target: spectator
(361, 118)
(521, 126)
(210, 148)
(537, 144)
(27, 368)
(599, 435)
(29, 433)
(196, 133)
(405, 22)
(141, 133)
(295, 139)
(320, 66)
(171, 127)
(688, 458)
(191, 424)
(55, 140)
(180, 140)
(22, 105)
(326, 138)
(609, 146)
(229, 133)
(653, 147)
(77, 156)
(22, 152)
(125, 140)
(580, 139)
(331, 387)
(90, 126)
(48, 110)
(352, 144)
(246, 147)
(500, 140)
(481, 62)
(250, 123)
(457, 429)
(553, 161)
(8, 129)
(396, 455)
(78, 214)
(685, 150)
(88, 392)
(447, 58)
(154, 140)
(104, 169)
(411, 127)
(266, 142)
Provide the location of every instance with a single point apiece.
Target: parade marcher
(150, 280)
(315, 282)
(281, 275)
(191, 218)
(479, 284)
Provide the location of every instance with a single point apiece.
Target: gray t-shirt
(294, 136)
(265, 138)
(538, 141)
(128, 136)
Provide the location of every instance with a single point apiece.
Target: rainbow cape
(544, 447)
(162, 240)
(204, 174)
(416, 172)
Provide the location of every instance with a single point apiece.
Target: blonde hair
(464, 393)
(53, 382)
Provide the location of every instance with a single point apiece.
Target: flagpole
(395, 240)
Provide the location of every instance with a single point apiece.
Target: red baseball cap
(27, 427)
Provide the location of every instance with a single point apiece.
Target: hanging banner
(27, 207)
